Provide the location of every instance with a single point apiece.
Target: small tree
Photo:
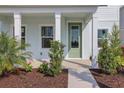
(104, 56)
(56, 57)
(56, 51)
(110, 56)
(115, 42)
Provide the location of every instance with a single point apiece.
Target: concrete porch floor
(67, 63)
(76, 63)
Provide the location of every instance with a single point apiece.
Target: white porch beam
(49, 9)
(17, 26)
(94, 41)
(58, 26)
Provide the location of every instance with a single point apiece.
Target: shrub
(11, 54)
(110, 56)
(44, 68)
(55, 68)
(56, 51)
(56, 57)
(28, 67)
(120, 61)
(104, 56)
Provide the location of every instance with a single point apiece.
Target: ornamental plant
(110, 56)
(56, 56)
(11, 54)
(28, 67)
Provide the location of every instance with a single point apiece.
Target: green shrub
(55, 68)
(56, 51)
(28, 67)
(44, 68)
(11, 54)
(120, 61)
(104, 56)
(56, 57)
(110, 56)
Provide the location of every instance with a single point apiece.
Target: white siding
(122, 24)
(108, 13)
(87, 40)
(107, 17)
(33, 35)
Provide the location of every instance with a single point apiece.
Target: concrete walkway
(79, 75)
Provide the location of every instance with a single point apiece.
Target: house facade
(79, 28)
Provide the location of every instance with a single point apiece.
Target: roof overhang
(48, 8)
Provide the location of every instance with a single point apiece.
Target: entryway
(74, 38)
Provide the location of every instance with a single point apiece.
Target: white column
(94, 41)
(58, 26)
(17, 26)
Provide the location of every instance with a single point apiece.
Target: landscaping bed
(107, 80)
(34, 79)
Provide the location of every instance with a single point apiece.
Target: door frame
(75, 22)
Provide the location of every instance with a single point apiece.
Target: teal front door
(74, 40)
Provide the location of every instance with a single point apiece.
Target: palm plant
(11, 54)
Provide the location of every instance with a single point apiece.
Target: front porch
(29, 25)
(67, 63)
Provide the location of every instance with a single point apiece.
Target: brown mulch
(34, 79)
(108, 81)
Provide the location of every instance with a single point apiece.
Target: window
(102, 33)
(22, 34)
(75, 37)
(47, 36)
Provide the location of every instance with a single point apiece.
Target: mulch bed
(107, 80)
(34, 79)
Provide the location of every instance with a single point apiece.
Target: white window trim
(101, 38)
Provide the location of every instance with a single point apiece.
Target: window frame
(13, 32)
(106, 29)
(23, 37)
(42, 37)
